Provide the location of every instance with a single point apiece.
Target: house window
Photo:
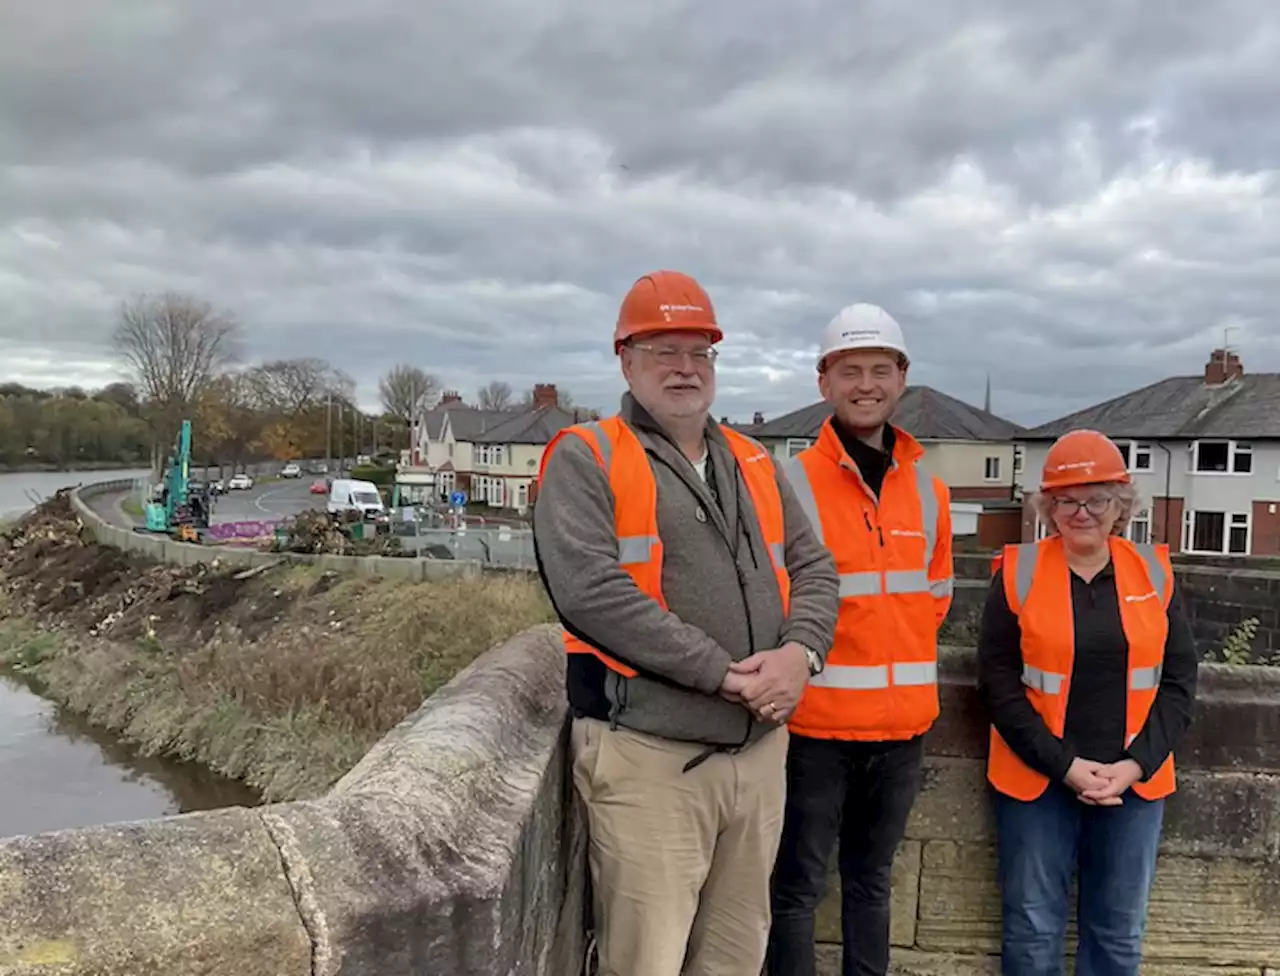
(1222, 457)
(991, 469)
(795, 445)
(1019, 459)
(1217, 533)
(1139, 529)
(1137, 454)
(522, 496)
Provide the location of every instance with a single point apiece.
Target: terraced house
(492, 455)
(1204, 451)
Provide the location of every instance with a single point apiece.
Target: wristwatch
(815, 661)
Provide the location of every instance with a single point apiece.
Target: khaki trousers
(680, 862)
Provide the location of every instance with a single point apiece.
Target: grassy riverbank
(283, 680)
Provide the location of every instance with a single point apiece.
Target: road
(274, 500)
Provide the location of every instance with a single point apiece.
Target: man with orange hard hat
(696, 603)
(856, 746)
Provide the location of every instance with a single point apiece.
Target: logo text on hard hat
(860, 334)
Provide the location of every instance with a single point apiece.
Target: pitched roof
(535, 426)
(468, 423)
(1182, 407)
(923, 412)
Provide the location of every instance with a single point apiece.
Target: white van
(347, 495)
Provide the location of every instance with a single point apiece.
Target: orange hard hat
(1083, 457)
(665, 301)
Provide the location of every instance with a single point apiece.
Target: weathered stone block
(445, 849)
(1219, 911)
(200, 895)
(906, 887)
(954, 802)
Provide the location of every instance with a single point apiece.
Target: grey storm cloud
(1077, 198)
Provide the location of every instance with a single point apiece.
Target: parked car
(240, 482)
(319, 488)
(291, 470)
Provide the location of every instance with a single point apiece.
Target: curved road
(274, 500)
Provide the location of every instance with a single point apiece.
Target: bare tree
(495, 396)
(174, 346)
(290, 387)
(407, 391)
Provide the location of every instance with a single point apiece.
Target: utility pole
(328, 423)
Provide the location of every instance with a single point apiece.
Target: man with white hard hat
(853, 768)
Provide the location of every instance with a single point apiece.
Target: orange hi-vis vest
(893, 555)
(622, 456)
(1037, 585)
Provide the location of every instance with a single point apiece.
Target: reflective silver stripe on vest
(849, 677)
(928, 512)
(1155, 569)
(916, 674)
(1027, 555)
(906, 581)
(859, 584)
(943, 587)
(635, 548)
(1145, 679)
(779, 552)
(606, 446)
(1047, 681)
(799, 479)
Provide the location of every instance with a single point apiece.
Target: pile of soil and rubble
(316, 532)
(281, 676)
(49, 568)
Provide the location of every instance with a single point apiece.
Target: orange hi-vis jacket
(893, 555)
(1037, 584)
(635, 492)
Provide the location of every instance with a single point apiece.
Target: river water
(57, 771)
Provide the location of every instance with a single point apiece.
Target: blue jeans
(1041, 845)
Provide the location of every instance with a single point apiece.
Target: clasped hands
(769, 683)
(1102, 784)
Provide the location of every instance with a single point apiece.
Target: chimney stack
(1223, 365)
(450, 396)
(544, 395)
(757, 419)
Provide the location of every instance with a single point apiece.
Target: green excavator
(178, 512)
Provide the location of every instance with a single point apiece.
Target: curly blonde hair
(1126, 496)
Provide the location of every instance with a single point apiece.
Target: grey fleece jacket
(719, 586)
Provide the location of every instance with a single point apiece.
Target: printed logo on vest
(1144, 596)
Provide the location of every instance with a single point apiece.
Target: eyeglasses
(1095, 506)
(671, 356)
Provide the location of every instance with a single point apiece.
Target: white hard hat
(862, 326)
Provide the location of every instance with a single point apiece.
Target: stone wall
(163, 549)
(455, 847)
(1216, 901)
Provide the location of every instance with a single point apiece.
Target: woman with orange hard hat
(1087, 670)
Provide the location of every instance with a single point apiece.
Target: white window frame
(1019, 459)
(795, 445)
(1230, 521)
(1132, 449)
(1142, 517)
(990, 471)
(1235, 449)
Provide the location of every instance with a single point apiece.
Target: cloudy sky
(1078, 198)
